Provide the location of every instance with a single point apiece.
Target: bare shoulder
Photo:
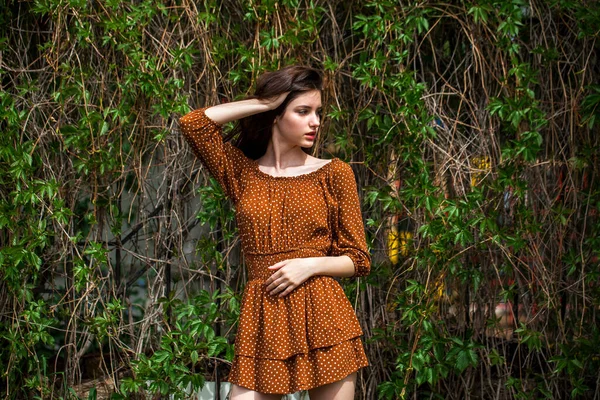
(317, 162)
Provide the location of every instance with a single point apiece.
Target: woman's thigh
(241, 393)
(340, 390)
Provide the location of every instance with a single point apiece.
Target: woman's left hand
(288, 275)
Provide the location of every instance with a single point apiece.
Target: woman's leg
(241, 393)
(340, 390)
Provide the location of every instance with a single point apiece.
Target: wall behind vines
(471, 127)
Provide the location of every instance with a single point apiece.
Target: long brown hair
(252, 134)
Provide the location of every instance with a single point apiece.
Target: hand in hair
(235, 110)
(275, 101)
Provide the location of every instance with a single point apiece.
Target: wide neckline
(308, 174)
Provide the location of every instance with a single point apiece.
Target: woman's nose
(315, 120)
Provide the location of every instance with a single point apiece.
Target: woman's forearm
(341, 266)
(228, 112)
(223, 113)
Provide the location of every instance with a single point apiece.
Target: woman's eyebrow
(306, 106)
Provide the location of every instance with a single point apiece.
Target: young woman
(300, 225)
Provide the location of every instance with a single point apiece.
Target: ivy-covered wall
(472, 128)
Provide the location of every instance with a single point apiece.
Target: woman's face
(298, 124)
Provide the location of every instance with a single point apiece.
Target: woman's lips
(311, 135)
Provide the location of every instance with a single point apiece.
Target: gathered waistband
(257, 263)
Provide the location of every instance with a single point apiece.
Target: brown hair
(252, 134)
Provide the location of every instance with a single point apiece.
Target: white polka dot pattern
(311, 336)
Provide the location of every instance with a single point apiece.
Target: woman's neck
(278, 157)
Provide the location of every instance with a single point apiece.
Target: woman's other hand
(288, 275)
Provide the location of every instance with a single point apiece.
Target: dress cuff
(362, 265)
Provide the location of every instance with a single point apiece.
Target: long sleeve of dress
(348, 230)
(223, 160)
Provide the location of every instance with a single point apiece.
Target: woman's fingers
(278, 284)
(275, 280)
(285, 280)
(283, 289)
(275, 101)
(278, 265)
(278, 289)
(287, 291)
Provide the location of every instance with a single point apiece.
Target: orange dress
(310, 337)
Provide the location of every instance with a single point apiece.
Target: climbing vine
(471, 128)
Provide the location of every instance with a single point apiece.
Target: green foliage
(189, 342)
(472, 128)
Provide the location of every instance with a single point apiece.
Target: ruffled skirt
(304, 340)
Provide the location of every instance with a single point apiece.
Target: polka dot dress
(310, 337)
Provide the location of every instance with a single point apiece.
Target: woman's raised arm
(228, 112)
(202, 129)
